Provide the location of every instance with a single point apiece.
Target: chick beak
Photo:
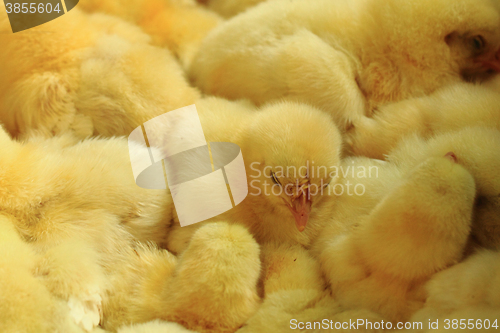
(301, 207)
(492, 62)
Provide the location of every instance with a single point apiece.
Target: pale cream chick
(349, 57)
(415, 225)
(143, 284)
(86, 74)
(288, 149)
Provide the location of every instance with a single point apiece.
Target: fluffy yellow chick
(78, 202)
(379, 257)
(450, 108)
(475, 149)
(98, 218)
(349, 57)
(288, 149)
(212, 287)
(85, 191)
(289, 267)
(179, 25)
(27, 304)
(295, 295)
(88, 74)
(469, 290)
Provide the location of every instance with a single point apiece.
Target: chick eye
(478, 43)
(275, 180)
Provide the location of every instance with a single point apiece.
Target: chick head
(457, 37)
(289, 150)
(474, 38)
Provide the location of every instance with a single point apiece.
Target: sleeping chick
(476, 149)
(288, 149)
(349, 57)
(461, 198)
(86, 74)
(99, 218)
(212, 287)
(179, 25)
(379, 258)
(449, 108)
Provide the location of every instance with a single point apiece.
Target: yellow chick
(87, 74)
(289, 267)
(98, 218)
(78, 206)
(476, 150)
(27, 304)
(179, 25)
(288, 149)
(444, 207)
(212, 287)
(44, 189)
(295, 295)
(379, 257)
(349, 57)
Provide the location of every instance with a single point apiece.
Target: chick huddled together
(369, 131)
